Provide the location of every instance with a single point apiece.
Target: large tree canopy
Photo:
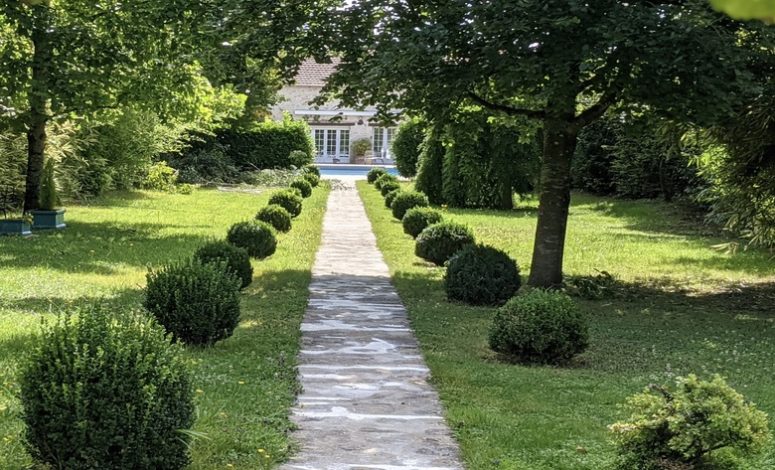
(563, 62)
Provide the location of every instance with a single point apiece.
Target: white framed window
(332, 144)
(382, 137)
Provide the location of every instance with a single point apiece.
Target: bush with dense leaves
(685, 426)
(406, 146)
(418, 218)
(237, 259)
(160, 177)
(390, 196)
(373, 175)
(439, 242)
(384, 179)
(312, 179)
(430, 167)
(539, 326)
(388, 187)
(311, 169)
(276, 216)
(289, 199)
(407, 200)
(204, 165)
(256, 237)
(198, 303)
(106, 390)
(303, 186)
(481, 275)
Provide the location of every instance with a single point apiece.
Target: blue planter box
(15, 227)
(48, 220)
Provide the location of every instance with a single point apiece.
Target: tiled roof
(312, 73)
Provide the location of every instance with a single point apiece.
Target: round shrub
(384, 179)
(417, 219)
(276, 216)
(312, 179)
(311, 170)
(255, 236)
(407, 200)
(303, 186)
(290, 199)
(374, 174)
(198, 303)
(438, 242)
(683, 426)
(106, 390)
(539, 326)
(389, 186)
(481, 275)
(390, 196)
(237, 259)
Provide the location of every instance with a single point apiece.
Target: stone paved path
(366, 402)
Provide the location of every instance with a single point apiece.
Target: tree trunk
(38, 113)
(560, 138)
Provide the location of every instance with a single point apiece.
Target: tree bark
(560, 137)
(38, 112)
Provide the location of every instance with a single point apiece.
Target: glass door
(333, 145)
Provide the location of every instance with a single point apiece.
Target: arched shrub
(276, 216)
(388, 187)
(438, 242)
(374, 174)
(407, 200)
(312, 179)
(481, 275)
(417, 219)
(384, 179)
(290, 199)
(390, 196)
(237, 259)
(255, 236)
(302, 185)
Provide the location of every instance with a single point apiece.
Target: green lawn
(244, 385)
(686, 307)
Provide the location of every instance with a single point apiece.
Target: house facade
(334, 129)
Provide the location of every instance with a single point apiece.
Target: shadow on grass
(122, 300)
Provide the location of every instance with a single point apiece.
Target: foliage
(388, 187)
(481, 275)
(290, 200)
(360, 147)
(302, 185)
(407, 200)
(437, 243)
(311, 169)
(276, 216)
(274, 178)
(406, 146)
(687, 424)
(204, 165)
(48, 189)
(390, 196)
(385, 178)
(102, 389)
(417, 219)
(539, 326)
(256, 237)
(374, 174)
(161, 177)
(311, 178)
(429, 167)
(592, 160)
(237, 259)
(746, 9)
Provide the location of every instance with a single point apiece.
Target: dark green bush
(418, 218)
(198, 303)
(312, 179)
(407, 200)
(237, 259)
(481, 275)
(302, 185)
(374, 174)
(102, 390)
(429, 171)
(389, 186)
(383, 180)
(311, 169)
(684, 427)
(390, 196)
(276, 216)
(406, 146)
(255, 236)
(201, 164)
(439, 242)
(289, 199)
(539, 326)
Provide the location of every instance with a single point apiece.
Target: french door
(333, 145)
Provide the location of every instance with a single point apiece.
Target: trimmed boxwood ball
(408, 200)
(439, 242)
(417, 219)
(481, 275)
(374, 174)
(290, 199)
(541, 327)
(384, 179)
(276, 216)
(303, 186)
(198, 303)
(390, 196)
(312, 179)
(389, 186)
(255, 236)
(311, 170)
(107, 390)
(237, 259)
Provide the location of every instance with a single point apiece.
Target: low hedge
(439, 242)
(417, 219)
(407, 200)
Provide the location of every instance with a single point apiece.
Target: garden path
(366, 401)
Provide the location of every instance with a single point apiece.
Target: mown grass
(684, 307)
(245, 385)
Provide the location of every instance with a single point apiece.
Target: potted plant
(48, 216)
(16, 226)
(9, 199)
(359, 149)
